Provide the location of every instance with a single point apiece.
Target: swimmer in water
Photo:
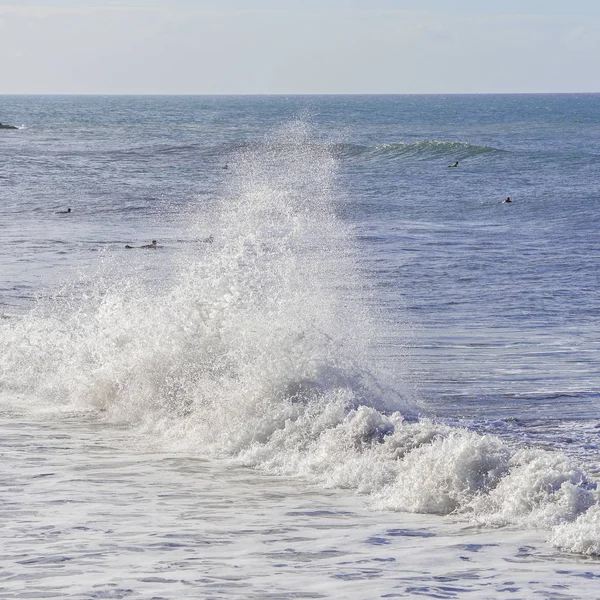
(63, 212)
(453, 165)
(152, 245)
(507, 200)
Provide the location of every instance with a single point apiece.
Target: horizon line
(300, 94)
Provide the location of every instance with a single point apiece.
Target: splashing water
(259, 348)
(256, 325)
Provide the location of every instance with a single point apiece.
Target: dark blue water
(497, 303)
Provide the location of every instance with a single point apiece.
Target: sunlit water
(346, 371)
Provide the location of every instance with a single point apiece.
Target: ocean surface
(347, 370)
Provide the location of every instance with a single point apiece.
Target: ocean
(347, 370)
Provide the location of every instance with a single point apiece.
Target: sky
(298, 46)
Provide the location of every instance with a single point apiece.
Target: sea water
(346, 371)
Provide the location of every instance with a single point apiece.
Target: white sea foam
(581, 535)
(260, 348)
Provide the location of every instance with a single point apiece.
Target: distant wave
(425, 149)
(421, 150)
(156, 149)
(134, 151)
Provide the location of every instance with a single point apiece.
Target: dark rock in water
(7, 126)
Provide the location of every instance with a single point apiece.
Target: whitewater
(241, 412)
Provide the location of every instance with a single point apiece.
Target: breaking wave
(260, 345)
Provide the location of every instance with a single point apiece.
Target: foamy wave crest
(426, 467)
(260, 346)
(582, 535)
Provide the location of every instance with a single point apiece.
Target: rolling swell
(422, 150)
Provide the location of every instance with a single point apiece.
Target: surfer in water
(507, 200)
(453, 165)
(63, 212)
(152, 245)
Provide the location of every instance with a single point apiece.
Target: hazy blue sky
(298, 46)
